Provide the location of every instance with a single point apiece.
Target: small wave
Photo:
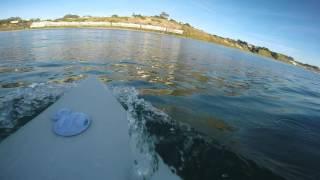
(140, 111)
(188, 153)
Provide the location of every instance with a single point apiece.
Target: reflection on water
(243, 108)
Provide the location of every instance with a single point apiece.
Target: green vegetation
(16, 23)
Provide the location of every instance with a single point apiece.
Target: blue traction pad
(69, 123)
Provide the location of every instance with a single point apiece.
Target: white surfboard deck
(101, 152)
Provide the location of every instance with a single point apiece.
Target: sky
(291, 27)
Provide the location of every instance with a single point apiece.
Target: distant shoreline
(155, 24)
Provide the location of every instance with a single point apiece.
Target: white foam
(148, 164)
(26, 101)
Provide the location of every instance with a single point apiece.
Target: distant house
(14, 22)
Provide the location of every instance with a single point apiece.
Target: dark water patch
(52, 64)
(295, 137)
(13, 84)
(195, 156)
(282, 161)
(130, 62)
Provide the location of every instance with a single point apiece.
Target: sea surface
(207, 111)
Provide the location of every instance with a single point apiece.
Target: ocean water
(207, 111)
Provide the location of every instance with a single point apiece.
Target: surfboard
(100, 152)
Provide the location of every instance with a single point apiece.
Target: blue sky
(288, 26)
